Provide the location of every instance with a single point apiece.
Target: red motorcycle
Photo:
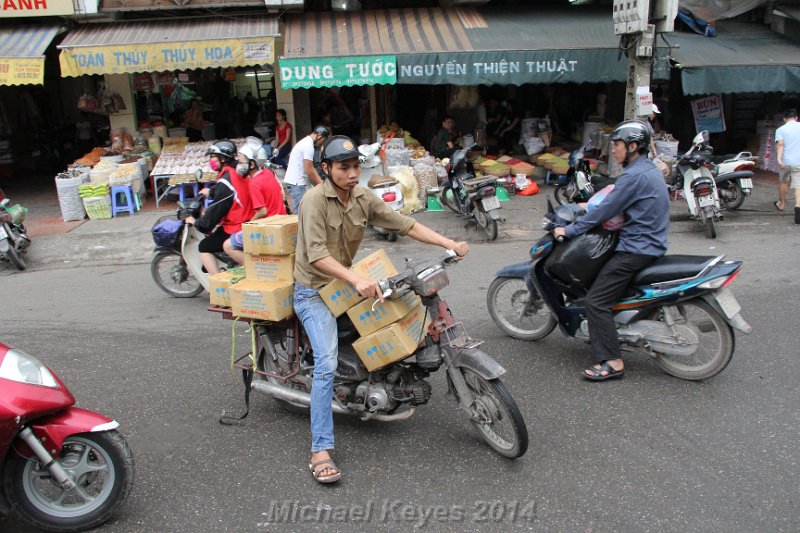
(62, 468)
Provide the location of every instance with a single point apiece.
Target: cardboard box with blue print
(262, 300)
(220, 286)
(276, 235)
(371, 315)
(340, 296)
(395, 342)
(275, 268)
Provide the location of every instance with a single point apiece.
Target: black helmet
(224, 149)
(322, 131)
(631, 131)
(339, 148)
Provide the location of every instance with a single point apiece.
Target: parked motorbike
(580, 183)
(679, 309)
(14, 241)
(383, 186)
(284, 366)
(176, 266)
(734, 178)
(63, 468)
(471, 197)
(691, 174)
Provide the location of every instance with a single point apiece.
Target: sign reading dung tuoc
(338, 72)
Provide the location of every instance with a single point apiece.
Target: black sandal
(597, 373)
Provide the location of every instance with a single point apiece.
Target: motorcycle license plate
(746, 183)
(705, 201)
(3, 234)
(727, 302)
(490, 203)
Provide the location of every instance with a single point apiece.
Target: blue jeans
(296, 193)
(320, 326)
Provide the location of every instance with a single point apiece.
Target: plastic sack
(577, 261)
(530, 190)
(614, 223)
(408, 183)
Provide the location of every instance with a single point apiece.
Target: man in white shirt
(301, 165)
(787, 137)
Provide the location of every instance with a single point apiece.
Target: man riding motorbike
(641, 195)
(231, 204)
(330, 229)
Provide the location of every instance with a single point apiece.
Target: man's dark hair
(790, 113)
(446, 117)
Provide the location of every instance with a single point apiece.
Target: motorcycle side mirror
(701, 138)
(445, 162)
(198, 174)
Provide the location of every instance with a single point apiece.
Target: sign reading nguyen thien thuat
(338, 72)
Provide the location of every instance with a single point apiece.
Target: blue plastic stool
(118, 193)
(551, 175)
(182, 191)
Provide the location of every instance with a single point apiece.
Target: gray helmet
(339, 148)
(631, 131)
(224, 149)
(322, 131)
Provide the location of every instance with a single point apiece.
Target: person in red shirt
(266, 195)
(283, 138)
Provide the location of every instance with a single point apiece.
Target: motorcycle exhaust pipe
(304, 398)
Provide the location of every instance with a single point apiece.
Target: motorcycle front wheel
(714, 346)
(171, 275)
(497, 416)
(100, 464)
(448, 199)
(562, 195)
(488, 224)
(517, 312)
(14, 257)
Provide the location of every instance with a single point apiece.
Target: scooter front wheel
(561, 194)
(448, 199)
(171, 275)
(517, 312)
(101, 466)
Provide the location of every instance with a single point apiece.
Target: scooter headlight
(23, 368)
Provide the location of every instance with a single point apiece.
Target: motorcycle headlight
(23, 368)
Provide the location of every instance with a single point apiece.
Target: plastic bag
(614, 223)
(577, 261)
(408, 183)
(530, 190)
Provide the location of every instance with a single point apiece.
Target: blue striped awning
(22, 48)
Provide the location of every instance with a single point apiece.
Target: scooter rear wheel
(265, 363)
(171, 275)
(711, 226)
(488, 224)
(733, 194)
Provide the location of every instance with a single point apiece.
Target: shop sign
(511, 67)
(708, 114)
(166, 56)
(338, 71)
(35, 8)
(22, 71)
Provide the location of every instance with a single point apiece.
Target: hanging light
(345, 5)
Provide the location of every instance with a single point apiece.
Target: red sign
(143, 82)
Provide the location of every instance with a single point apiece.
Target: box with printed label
(262, 300)
(394, 342)
(276, 235)
(340, 296)
(277, 268)
(220, 284)
(371, 315)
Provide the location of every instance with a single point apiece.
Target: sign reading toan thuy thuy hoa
(35, 8)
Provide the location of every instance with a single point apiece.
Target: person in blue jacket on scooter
(641, 195)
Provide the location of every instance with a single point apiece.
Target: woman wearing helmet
(331, 225)
(641, 195)
(230, 205)
(266, 196)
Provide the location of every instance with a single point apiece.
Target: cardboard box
(219, 290)
(262, 300)
(275, 235)
(275, 268)
(394, 342)
(340, 296)
(371, 315)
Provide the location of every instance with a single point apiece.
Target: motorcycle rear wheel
(488, 224)
(171, 275)
(715, 346)
(734, 192)
(711, 227)
(14, 257)
(265, 363)
(497, 418)
(510, 306)
(102, 467)
(448, 199)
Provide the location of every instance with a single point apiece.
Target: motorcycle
(691, 174)
(734, 178)
(384, 187)
(63, 468)
(176, 266)
(679, 309)
(471, 197)
(283, 366)
(14, 241)
(580, 183)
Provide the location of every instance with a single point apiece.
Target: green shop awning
(462, 46)
(742, 58)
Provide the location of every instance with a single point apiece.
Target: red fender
(54, 429)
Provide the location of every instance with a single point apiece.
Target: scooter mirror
(198, 174)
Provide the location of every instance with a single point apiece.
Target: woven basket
(98, 207)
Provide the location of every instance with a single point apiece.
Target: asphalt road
(647, 453)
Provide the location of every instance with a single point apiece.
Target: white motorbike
(373, 176)
(734, 178)
(691, 174)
